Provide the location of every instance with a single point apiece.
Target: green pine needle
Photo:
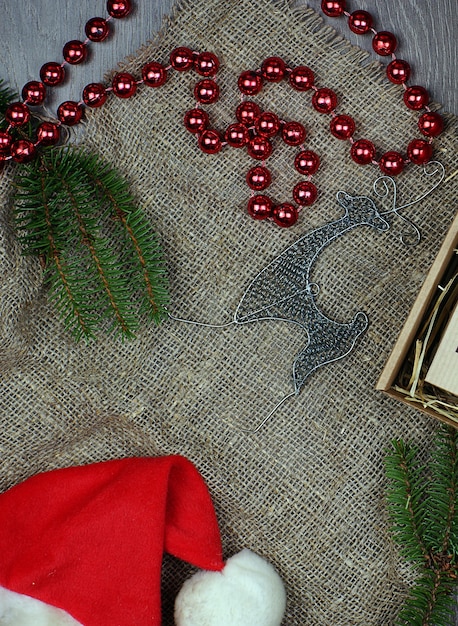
(423, 507)
(102, 257)
(7, 96)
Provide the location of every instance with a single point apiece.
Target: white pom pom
(17, 609)
(248, 592)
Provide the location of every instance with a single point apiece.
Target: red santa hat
(84, 545)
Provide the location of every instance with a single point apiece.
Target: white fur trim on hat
(247, 592)
(17, 609)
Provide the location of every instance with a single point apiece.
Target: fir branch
(424, 513)
(61, 216)
(7, 96)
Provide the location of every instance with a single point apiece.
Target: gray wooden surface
(34, 31)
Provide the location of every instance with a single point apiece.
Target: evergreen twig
(423, 507)
(103, 259)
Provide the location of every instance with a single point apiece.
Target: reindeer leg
(328, 341)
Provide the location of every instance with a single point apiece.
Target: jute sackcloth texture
(307, 491)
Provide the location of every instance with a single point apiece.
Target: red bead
(94, 95)
(5, 142)
(75, 52)
(419, 151)
(267, 124)
(206, 64)
(342, 126)
(248, 112)
(154, 74)
(416, 97)
(384, 43)
(124, 85)
(302, 78)
(360, 22)
(182, 59)
(258, 178)
(273, 69)
(17, 114)
(237, 135)
(398, 71)
(285, 215)
(305, 193)
(250, 83)
(293, 133)
(70, 113)
(206, 91)
(363, 152)
(34, 93)
(52, 74)
(97, 29)
(260, 207)
(48, 134)
(333, 8)
(392, 163)
(119, 8)
(210, 142)
(307, 162)
(23, 151)
(259, 148)
(196, 120)
(431, 124)
(324, 100)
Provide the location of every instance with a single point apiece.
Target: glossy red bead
(237, 135)
(267, 124)
(258, 178)
(248, 112)
(206, 64)
(384, 43)
(259, 207)
(362, 152)
(431, 124)
(324, 100)
(250, 83)
(333, 8)
(305, 193)
(97, 29)
(419, 151)
(259, 148)
(182, 59)
(17, 114)
(5, 142)
(119, 8)
(307, 162)
(273, 69)
(302, 78)
(416, 97)
(52, 74)
(293, 133)
(285, 215)
(74, 52)
(94, 95)
(391, 163)
(23, 151)
(210, 142)
(70, 112)
(48, 133)
(206, 91)
(342, 126)
(34, 93)
(154, 74)
(398, 71)
(360, 22)
(124, 85)
(196, 120)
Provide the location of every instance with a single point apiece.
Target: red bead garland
(97, 29)
(119, 8)
(74, 52)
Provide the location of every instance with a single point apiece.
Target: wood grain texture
(34, 31)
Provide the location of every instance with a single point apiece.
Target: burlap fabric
(307, 491)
